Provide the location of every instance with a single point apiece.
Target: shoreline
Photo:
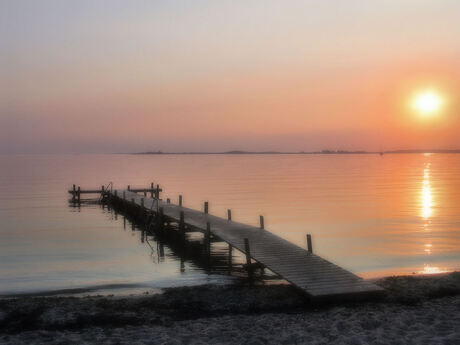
(411, 307)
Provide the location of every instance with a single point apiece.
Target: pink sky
(205, 76)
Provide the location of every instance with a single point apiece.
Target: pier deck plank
(309, 272)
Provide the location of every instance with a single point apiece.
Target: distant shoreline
(323, 152)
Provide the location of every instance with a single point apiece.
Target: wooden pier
(307, 271)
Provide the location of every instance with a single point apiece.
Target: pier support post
(208, 237)
(309, 245)
(230, 257)
(78, 194)
(206, 207)
(229, 214)
(162, 219)
(208, 244)
(262, 225)
(182, 226)
(158, 192)
(129, 187)
(74, 193)
(247, 250)
(180, 200)
(151, 189)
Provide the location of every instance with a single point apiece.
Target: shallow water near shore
(374, 215)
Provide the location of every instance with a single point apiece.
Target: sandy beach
(414, 310)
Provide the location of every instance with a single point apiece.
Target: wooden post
(102, 190)
(309, 245)
(182, 226)
(129, 187)
(162, 221)
(262, 222)
(247, 249)
(206, 207)
(78, 194)
(180, 200)
(74, 193)
(208, 237)
(151, 189)
(168, 200)
(229, 214)
(158, 192)
(230, 256)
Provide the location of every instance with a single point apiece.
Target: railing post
(309, 245)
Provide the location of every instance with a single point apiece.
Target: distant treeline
(335, 152)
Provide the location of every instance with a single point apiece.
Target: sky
(126, 76)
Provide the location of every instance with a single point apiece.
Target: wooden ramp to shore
(307, 271)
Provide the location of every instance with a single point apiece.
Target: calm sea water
(374, 215)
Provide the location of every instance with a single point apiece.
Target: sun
(427, 102)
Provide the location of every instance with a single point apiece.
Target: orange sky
(204, 76)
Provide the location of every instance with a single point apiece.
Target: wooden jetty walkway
(309, 272)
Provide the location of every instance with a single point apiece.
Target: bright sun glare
(427, 103)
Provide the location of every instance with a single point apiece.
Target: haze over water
(374, 215)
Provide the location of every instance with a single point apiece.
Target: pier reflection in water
(190, 255)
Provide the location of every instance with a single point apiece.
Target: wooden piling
(182, 225)
(262, 226)
(229, 214)
(78, 194)
(247, 250)
(74, 193)
(157, 193)
(180, 200)
(208, 237)
(129, 187)
(309, 245)
(206, 207)
(230, 256)
(152, 187)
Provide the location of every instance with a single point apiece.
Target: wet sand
(414, 310)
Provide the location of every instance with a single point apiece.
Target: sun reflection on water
(428, 269)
